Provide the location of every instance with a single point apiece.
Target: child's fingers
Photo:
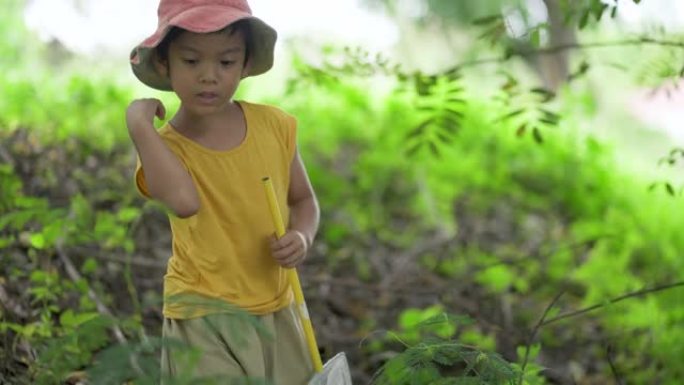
(289, 250)
(286, 252)
(284, 241)
(161, 110)
(277, 243)
(292, 260)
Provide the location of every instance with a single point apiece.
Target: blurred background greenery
(487, 171)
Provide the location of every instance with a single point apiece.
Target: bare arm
(291, 249)
(304, 210)
(167, 181)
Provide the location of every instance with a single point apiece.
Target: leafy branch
(437, 360)
(674, 158)
(440, 99)
(527, 109)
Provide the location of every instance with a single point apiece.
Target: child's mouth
(208, 97)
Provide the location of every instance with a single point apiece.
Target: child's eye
(226, 63)
(190, 61)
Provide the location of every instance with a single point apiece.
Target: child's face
(205, 69)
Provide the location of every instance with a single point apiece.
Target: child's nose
(209, 73)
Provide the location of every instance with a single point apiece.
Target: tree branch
(567, 47)
(614, 300)
(533, 334)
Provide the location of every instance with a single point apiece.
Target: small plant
(439, 358)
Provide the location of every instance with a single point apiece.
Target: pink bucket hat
(202, 16)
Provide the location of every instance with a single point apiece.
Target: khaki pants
(236, 349)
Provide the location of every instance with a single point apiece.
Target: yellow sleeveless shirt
(222, 253)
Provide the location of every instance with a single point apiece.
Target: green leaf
(6, 242)
(412, 317)
(535, 38)
(521, 130)
(510, 115)
(413, 149)
(37, 241)
(426, 108)
(498, 278)
(450, 125)
(453, 113)
(534, 351)
(419, 130)
(434, 149)
(456, 100)
(613, 12)
(584, 19)
(69, 319)
(670, 189)
(444, 138)
(537, 135)
(128, 214)
(599, 9)
(549, 117)
(89, 266)
(39, 276)
(487, 19)
(546, 95)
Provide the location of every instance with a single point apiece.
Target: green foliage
(64, 330)
(582, 12)
(440, 100)
(415, 324)
(593, 218)
(439, 359)
(527, 109)
(424, 363)
(58, 109)
(533, 372)
(63, 339)
(662, 66)
(72, 345)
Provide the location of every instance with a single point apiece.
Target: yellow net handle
(293, 278)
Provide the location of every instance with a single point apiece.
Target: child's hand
(142, 111)
(290, 250)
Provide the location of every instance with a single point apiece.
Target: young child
(206, 166)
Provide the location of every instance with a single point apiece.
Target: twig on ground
(403, 260)
(10, 304)
(76, 276)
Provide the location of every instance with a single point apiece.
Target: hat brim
(204, 19)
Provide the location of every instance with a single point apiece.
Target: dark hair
(242, 26)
